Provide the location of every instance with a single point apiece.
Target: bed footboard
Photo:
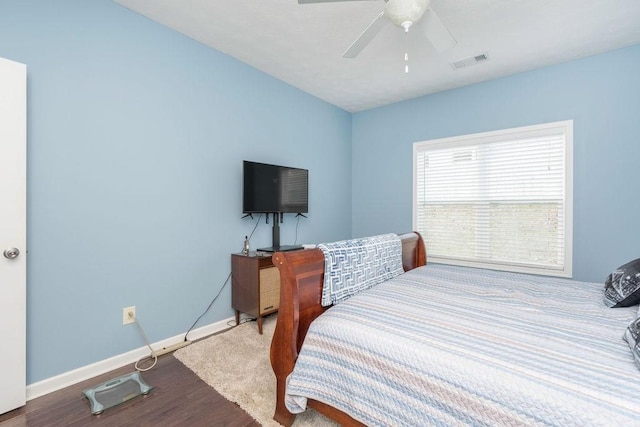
(301, 280)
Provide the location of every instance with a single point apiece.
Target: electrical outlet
(128, 315)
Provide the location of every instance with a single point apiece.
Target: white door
(13, 231)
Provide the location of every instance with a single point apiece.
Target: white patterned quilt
(448, 346)
(352, 266)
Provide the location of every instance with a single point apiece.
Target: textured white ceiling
(302, 44)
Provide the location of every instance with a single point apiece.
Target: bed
(443, 345)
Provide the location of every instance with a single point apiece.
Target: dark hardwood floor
(178, 398)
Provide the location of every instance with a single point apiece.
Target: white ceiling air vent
(472, 60)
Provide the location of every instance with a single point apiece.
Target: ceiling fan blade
(436, 32)
(325, 1)
(367, 35)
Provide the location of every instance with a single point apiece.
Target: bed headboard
(301, 281)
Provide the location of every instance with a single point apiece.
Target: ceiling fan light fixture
(403, 12)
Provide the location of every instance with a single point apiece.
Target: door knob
(11, 253)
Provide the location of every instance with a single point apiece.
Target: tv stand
(278, 217)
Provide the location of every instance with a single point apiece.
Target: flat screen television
(274, 189)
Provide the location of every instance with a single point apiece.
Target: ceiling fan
(404, 14)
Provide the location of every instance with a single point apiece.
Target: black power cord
(220, 291)
(254, 227)
(209, 307)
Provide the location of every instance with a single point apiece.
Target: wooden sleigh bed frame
(301, 281)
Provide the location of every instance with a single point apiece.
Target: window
(499, 200)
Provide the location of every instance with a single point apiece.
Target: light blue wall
(136, 137)
(601, 94)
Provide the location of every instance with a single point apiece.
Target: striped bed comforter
(442, 345)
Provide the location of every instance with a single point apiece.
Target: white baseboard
(75, 376)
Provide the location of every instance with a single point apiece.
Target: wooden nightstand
(255, 286)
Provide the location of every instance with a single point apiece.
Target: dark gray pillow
(622, 287)
(632, 334)
(632, 337)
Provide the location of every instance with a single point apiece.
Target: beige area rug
(236, 363)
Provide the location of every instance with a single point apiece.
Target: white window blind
(500, 200)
